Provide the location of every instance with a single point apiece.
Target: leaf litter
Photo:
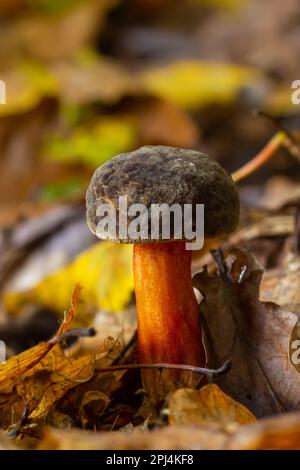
(72, 107)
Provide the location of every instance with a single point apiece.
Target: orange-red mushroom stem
(169, 329)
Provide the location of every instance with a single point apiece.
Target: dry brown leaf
(51, 380)
(96, 400)
(6, 443)
(283, 285)
(34, 381)
(207, 406)
(103, 386)
(15, 368)
(265, 228)
(254, 335)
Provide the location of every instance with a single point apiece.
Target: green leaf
(61, 190)
(49, 7)
(94, 146)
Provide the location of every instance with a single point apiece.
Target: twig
(283, 138)
(290, 142)
(75, 332)
(261, 158)
(219, 258)
(198, 370)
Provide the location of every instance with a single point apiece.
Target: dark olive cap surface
(158, 175)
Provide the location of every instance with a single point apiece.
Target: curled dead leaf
(254, 335)
(17, 366)
(55, 376)
(93, 403)
(32, 382)
(283, 285)
(209, 405)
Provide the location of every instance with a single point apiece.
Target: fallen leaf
(254, 335)
(284, 283)
(195, 84)
(14, 369)
(34, 34)
(95, 400)
(32, 382)
(94, 145)
(163, 123)
(6, 443)
(144, 426)
(51, 380)
(33, 230)
(90, 77)
(228, 5)
(209, 405)
(113, 333)
(280, 192)
(27, 83)
(85, 403)
(107, 282)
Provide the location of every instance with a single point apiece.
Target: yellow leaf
(13, 370)
(94, 146)
(54, 376)
(105, 273)
(206, 406)
(26, 84)
(194, 84)
(40, 376)
(279, 102)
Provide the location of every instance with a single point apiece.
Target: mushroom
(169, 328)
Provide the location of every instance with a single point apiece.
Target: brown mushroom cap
(165, 175)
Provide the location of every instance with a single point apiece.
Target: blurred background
(87, 79)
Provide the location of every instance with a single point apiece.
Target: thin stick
(290, 142)
(261, 158)
(283, 138)
(198, 370)
(74, 333)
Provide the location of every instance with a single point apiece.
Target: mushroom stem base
(169, 329)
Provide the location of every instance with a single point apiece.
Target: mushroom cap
(164, 175)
